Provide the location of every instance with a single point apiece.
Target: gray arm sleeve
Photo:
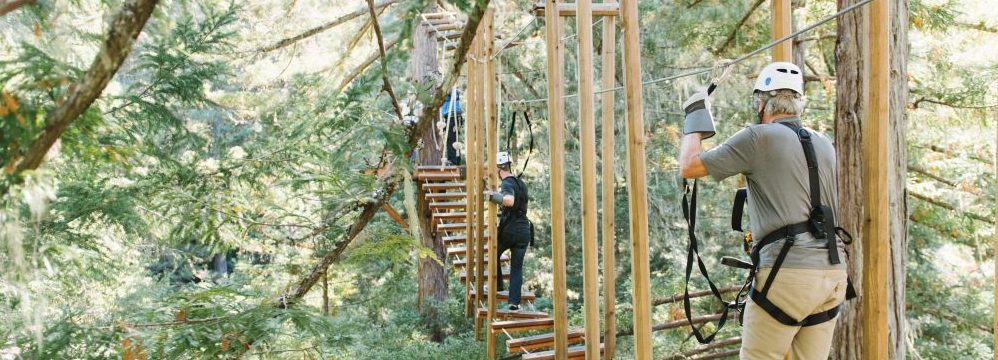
(733, 157)
(496, 198)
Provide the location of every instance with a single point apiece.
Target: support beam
(556, 137)
(637, 188)
(472, 164)
(876, 231)
(587, 134)
(570, 9)
(994, 323)
(492, 139)
(782, 26)
(609, 51)
(483, 38)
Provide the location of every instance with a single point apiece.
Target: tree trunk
(799, 50)
(432, 275)
(897, 177)
(852, 99)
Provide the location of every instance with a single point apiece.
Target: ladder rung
(522, 324)
(542, 341)
(506, 314)
(504, 295)
(463, 262)
(575, 352)
(505, 274)
(444, 186)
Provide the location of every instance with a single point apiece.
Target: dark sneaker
(514, 308)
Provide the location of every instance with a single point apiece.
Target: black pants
(517, 252)
(456, 121)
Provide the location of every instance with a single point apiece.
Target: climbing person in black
(515, 231)
(800, 278)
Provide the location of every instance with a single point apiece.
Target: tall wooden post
(607, 155)
(876, 232)
(995, 308)
(471, 241)
(479, 178)
(587, 134)
(636, 180)
(492, 139)
(782, 26)
(556, 137)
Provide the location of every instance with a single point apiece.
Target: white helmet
(780, 75)
(502, 157)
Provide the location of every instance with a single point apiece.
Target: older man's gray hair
(781, 102)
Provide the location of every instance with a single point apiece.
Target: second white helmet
(780, 75)
(502, 157)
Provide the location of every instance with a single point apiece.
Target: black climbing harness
(821, 224)
(512, 132)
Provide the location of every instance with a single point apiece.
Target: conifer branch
(122, 33)
(364, 65)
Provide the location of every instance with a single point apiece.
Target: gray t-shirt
(772, 159)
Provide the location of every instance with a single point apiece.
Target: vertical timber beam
(782, 26)
(609, 50)
(479, 150)
(994, 323)
(876, 232)
(556, 137)
(470, 242)
(587, 134)
(636, 181)
(492, 138)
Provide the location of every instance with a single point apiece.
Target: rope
(515, 36)
(736, 61)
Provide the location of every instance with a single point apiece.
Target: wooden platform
(517, 325)
(575, 352)
(506, 314)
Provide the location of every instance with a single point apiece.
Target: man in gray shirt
(810, 280)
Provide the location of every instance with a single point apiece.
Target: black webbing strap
(738, 209)
(821, 216)
(693, 252)
(512, 132)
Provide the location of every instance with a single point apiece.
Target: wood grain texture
(608, 221)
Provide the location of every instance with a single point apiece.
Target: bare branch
(712, 346)
(914, 105)
(695, 294)
(924, 172)
(13, 5)
(947, 206)
(734, 32)
(123, 30)
(318, 29)
(679, 323)
(384, 59)
(363, 66)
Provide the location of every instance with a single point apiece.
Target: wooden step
(444, 186)
(506, 314)
(505, 274)
(542, 341)
(516, 325)
(446, 196)
(450, 215)
(457, 227)
(462, 262)
(459, 239)
(575, 352)
(437, 176)
(447, 205)
(461, 250)
(525, 296)
(437, 168)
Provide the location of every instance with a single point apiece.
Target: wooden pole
(472, 164)
(636, 181)
(782, 26)
(556, 137)
(492, 139)
(608, 176)
(876, 232)
(587, 134)
(995, 246)
(478, 180)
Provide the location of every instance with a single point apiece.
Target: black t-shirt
(513, 224)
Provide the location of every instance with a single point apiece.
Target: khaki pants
(799, 293)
